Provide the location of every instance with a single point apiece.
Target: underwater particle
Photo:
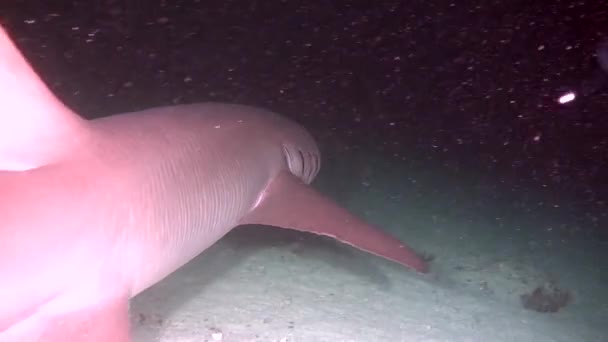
(217, 336)
(567, 97)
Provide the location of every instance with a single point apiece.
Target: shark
(93, 212)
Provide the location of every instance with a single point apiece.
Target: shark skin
(93, 212)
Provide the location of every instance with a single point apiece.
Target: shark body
(93, 212)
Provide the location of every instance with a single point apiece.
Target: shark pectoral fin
(36, 128)
(289, 203)
(65, 318)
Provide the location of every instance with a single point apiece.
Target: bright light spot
(567, 97)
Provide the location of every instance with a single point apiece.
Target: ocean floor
(269, 284)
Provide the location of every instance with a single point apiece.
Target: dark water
(598, 78)
(602, 55)
(467, 87)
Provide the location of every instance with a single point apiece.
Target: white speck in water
(567, 97)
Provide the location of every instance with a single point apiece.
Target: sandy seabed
(268, 284)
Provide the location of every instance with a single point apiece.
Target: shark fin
(289, 203)
(36, 128)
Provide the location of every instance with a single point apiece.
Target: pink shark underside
(94, 212)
